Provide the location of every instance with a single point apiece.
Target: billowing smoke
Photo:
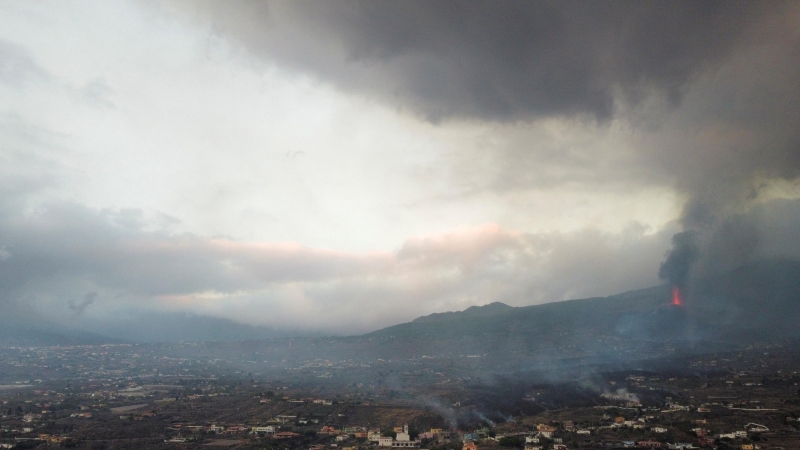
(676, 268)
(621, 394)
(445, 412)
(482, 417)
(739, 167)
(78, 307)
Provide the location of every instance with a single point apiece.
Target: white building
(404, 439)
(404, 436)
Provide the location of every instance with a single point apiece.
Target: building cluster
(552, 437)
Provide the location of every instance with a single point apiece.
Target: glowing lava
(677, 298)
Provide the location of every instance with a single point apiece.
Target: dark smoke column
(675, 269)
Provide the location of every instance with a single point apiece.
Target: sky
(338, 167)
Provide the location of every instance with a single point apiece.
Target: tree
(511, 441)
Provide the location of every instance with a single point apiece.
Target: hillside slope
(755, 303)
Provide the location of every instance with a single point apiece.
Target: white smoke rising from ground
(484, 419)
(446, 412)
(621, 394)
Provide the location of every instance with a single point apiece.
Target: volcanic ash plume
(676, 268)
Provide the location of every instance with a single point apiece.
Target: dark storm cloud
(709, 89)
(500, 61)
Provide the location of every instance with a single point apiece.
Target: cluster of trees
(512, 441)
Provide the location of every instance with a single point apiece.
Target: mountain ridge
(756, 302)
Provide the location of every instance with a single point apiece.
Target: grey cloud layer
(708, 90)
(492, 60)
(62, 252)
(59, 253)
(110, 248)
(65, 251)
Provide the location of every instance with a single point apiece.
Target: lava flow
(677, 298)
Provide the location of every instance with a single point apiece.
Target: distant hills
(756, 303)
(186, 327)
(150, 327)
(26, 332)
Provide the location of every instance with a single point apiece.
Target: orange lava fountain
(677, 298)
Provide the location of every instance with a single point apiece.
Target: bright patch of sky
(141, 112)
